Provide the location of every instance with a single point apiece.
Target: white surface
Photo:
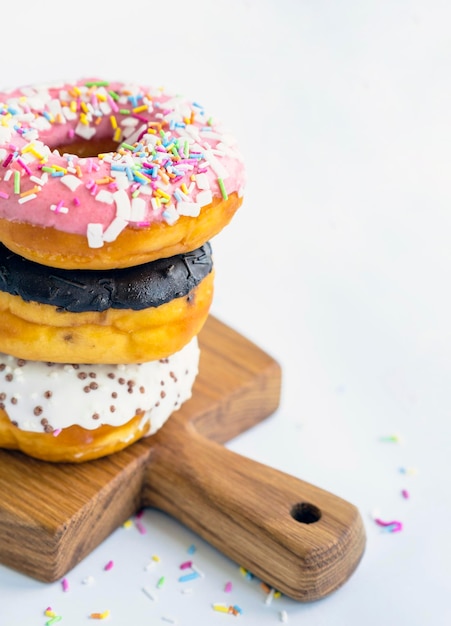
(338, 265)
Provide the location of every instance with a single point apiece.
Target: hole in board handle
(305, 513)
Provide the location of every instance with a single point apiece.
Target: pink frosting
(172, 158)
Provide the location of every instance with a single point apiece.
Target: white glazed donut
(73, 413)
(100, 175)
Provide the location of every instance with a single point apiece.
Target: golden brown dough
(73, 444)
(56, 248)
(39, 332)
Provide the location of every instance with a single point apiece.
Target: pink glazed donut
(102, 175)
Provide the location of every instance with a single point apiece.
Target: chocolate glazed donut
(128, 315)
(139, 287)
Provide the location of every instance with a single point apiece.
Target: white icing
(157, 389)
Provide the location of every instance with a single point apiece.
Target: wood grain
(297, 538)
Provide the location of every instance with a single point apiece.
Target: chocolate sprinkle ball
(136, 288)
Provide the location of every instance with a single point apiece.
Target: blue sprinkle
(186, 577)
(191, 549)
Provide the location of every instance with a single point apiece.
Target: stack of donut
(109, 196)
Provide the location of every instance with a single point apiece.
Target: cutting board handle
(297, 538)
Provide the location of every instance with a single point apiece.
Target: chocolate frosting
(139, 287)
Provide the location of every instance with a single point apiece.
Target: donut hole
(84, 148)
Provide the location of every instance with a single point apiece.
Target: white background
(338, 265)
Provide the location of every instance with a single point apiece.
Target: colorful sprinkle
(103, 615)
(65, 584)
(223, 189)
(149, 593)
(17, 182)
(283, 616)
(187, 577)
(391, 439)
(141, 528)
(109, 566)
(392, 527)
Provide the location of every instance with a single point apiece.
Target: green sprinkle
(160, 583)
(48, 169)
(124, 111)
(186, 147)
(97, 83)
(391, 438)
(222, 188)
(127, 146)
(114, 95)
(54, 620)
(16, 182)
(210, 121)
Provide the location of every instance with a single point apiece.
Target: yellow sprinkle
(101, 96)
(156, 558)
(49, 613)
(84, 107)
(37, 154)
(113, 121)
(221, 607)
(117, 135)
(162, 194)
(27, 148)
(73, 106)
(140, 109)
(99, 615)
(127, 524)
(184, 188)
(60, 168)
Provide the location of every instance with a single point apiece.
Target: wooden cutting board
(299, 539)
